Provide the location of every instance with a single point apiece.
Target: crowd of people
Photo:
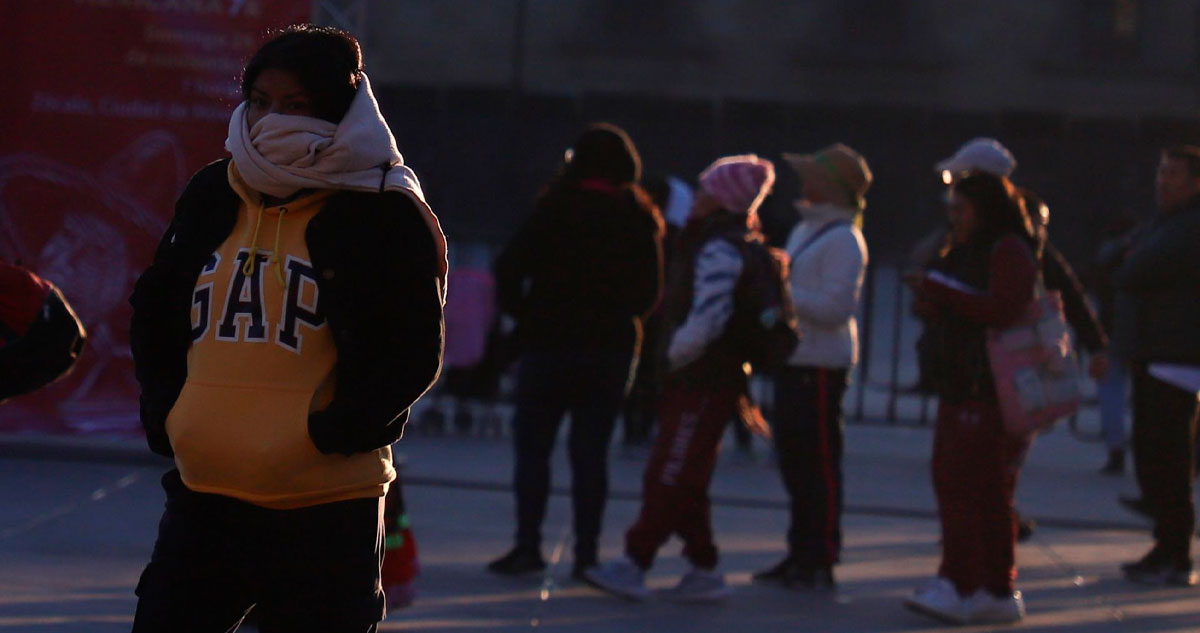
(982, 272)
(293, 314)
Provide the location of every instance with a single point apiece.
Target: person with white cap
(828, 262)
(978, 154)
(702, 387)
(988, 155)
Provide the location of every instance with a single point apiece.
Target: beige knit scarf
(283, 154)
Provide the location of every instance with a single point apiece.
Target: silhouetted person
(579, 276)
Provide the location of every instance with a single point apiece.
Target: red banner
(108, 107)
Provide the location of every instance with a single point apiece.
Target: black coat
(1158, 291)
(379, 290)
(584, 270)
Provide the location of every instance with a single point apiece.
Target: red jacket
(22, 295)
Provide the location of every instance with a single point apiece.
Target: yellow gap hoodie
(262, 358)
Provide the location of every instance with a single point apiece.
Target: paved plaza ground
(78, 517)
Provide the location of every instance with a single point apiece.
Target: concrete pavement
(77, 520)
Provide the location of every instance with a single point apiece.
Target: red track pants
(675, 485)
(975, 468)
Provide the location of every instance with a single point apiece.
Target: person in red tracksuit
(702, 388)
(984, 279)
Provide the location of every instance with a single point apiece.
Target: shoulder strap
(828, 226)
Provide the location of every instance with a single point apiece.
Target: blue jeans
(590, 385)
(1112, 392)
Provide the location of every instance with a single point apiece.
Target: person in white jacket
(828, 262)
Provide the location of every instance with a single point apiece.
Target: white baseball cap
(980, 154)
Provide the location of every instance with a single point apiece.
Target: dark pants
(590, 386)
(975, 469)
(807, 427)
(309, 569)
(1164, 440)
(675, 484)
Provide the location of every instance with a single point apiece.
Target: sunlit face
(811, 192)
(963, 217)
(1173, 185)
(277, 91)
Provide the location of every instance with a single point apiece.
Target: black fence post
(894, 365)
(864, 351)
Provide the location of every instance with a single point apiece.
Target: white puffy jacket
(826, 282)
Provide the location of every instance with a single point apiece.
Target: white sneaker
(984, 608)
(940, 600)
(620, 577)
(698, 585)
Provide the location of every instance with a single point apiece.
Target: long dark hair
(998, 210)
(326, 61)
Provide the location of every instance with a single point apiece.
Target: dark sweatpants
(590, 386)
(678, 473)
(807, 427)
(1164, 440)
(309, 569)
(975, 468)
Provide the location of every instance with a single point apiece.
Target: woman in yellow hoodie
(291, 317)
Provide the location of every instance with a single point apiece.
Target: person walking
(985, 279)
(828, 263)
(580, 276)
(702, 387)
(1158, 330)
(990, 156)
(291, 317)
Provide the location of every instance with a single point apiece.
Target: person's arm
(1078, 310)
(160, 328)
(381, 295)
(1161, 258)
(718, 267)
(1010, 287)
(836, 299)
(515, 261)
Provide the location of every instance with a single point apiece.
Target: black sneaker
(518, 562)
(1115, 465)
(1181, 577)
(1137, 504)
(786, 572)
(1025, 528)
(1155, 569)
(821, 579)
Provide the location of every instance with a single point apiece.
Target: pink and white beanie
(739, 183)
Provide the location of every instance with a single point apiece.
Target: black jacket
(583, 270)
(1158, 291)
(379, 291)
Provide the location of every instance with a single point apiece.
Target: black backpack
(764, 327)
